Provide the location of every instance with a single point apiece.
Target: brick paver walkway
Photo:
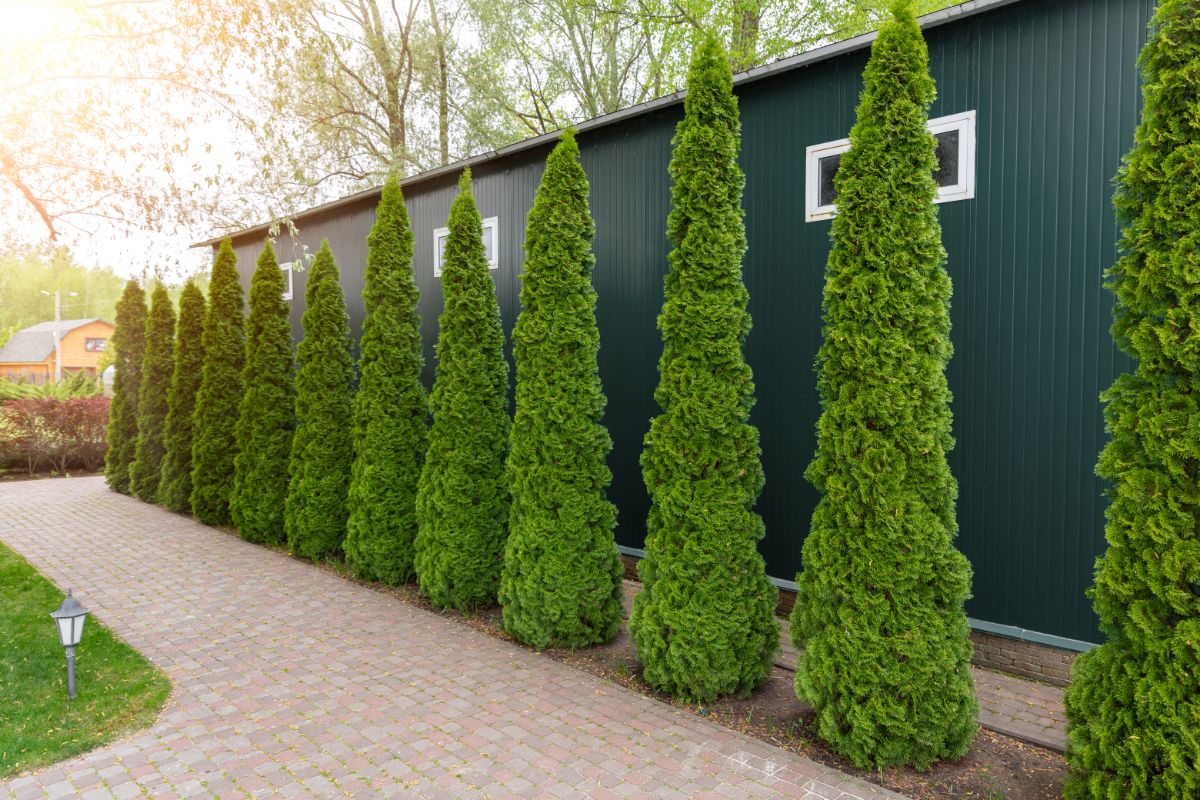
(289, 681)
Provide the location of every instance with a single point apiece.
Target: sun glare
(29, 21)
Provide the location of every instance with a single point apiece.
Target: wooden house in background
(28, 357)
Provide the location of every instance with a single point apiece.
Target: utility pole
(57, 338)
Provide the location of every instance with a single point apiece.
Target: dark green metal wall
(1055, 86)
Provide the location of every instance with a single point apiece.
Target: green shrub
(129, 342)
(1134, 702)
(267, 417)
(322, 448)
(74, 384)
(157, 367)
(390, 406)
(175, 486)
(462, 495)
(879, 612)
(214, 423)
(561, 582)
(704, 623)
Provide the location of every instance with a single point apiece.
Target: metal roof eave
(816, 55)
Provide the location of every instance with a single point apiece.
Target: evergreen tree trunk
(462, 495)
(704, 623)
(322, 449)
(879, 612)
(1134, 702)
(561, 582)
(157, 367)
(175, 487)
(390, 406)
(214, 440)
(267, 416)
(129, 342)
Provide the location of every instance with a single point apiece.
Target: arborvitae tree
(462, 496)
(129, 342)
(322, 448)
(704, 623)
(561, 582)
(879, 613)
(267, 417)
(390, 406)
(1134, 702)
(157, 368)
(214, 439)
(175, 487)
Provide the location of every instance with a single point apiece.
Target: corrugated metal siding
(1055, 86)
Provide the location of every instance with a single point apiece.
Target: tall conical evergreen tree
(390, 406)
(157, 368)
(322, 448)
(129, 342)
(175, 486)
(561, 583)
(1134, 702)
(267, 416)
(879, 613)
(462, 496)
(214, 439)
(704, 623)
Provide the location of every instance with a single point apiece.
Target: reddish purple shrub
(59, 434)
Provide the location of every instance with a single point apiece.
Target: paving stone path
(290, 682)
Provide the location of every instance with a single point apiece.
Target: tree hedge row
(478, 508)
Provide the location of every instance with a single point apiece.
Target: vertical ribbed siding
(1055, 86)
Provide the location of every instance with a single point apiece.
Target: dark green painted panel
(1054, 84)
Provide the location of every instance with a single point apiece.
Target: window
(491, 245)
(955, 172)
(288, 285)
(94, 345)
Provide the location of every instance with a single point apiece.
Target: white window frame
(812, 178)
(962, 189)
(288, 291)
(491, 223)
(438, 233)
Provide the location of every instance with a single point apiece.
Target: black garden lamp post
(69, 619)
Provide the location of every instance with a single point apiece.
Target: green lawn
(117, 690)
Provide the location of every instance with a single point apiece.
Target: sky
(30, 51)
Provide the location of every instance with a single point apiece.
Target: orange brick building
(28, 357)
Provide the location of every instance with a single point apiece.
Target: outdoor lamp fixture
(69, 619)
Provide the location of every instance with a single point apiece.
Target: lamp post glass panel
(69, 619)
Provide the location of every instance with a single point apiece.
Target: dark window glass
(440, 244)
(946, 173)
(489, 244)
(827, 167)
